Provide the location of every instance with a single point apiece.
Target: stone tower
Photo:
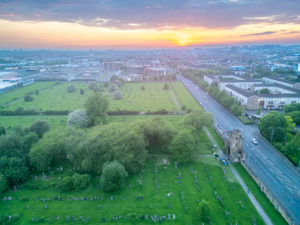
(234, 146)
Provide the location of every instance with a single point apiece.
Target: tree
(96, 107)
(203, 210)
(116, 141)
(80, 181)
(71, 88)
(2, 130)
(39, 127)
(113, 176)
(28, 98)
(57, 146)
(183, 146)
(295, 116)
(166, 86)
(117, 95)
(290, 125)
(157, 133)
(197, 119)
(271, 125)
(14, 170)
(78, 118)
(81, 91)
(113, 87)
(292, 107)
(264, 91)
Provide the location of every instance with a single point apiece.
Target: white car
(254, 141)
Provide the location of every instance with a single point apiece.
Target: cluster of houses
(277, 92)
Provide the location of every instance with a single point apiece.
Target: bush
(28, 98)
(142, 88)
(113, 176)
(75, 182)
(117, 95)
(81, 181)
(78, 118)
(81, 91)
(71, 88)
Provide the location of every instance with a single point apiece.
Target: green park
(123, 153)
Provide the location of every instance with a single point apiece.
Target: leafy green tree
(271, 126)
(197, 119)
(66, 184)
(290, 125)
(14, 170)
(2, 130)
(157, 132)
(117, 95)
(55, 147)
(96, 107)
(183, 146)
(12, 145)
(295, 116)
(292, 107)
(39, 127)
(113, 176)
(116, 141)
(264, 91)
(203, 211)
(28, 98)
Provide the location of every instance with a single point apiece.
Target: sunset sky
(137, 24)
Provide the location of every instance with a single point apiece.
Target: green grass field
(25, 121)
(260, 196)
(29, 203)
(56, 97)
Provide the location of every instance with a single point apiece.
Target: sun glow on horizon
(29, 34)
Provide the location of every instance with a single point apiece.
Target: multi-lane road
(275, 172)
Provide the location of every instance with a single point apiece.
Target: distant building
(281, 67)
(136, 69)
(113, 66)
(155, 72)
(275, 80)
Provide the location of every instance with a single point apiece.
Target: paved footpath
(256, 204)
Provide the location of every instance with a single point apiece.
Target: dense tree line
(222, 97)
(293, 110)
(280, 130)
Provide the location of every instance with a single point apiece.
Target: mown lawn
(55, 97)
(260, 196)
(207, 183)
(25, 121)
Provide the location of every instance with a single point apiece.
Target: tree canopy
(113, 176)
(96, 107)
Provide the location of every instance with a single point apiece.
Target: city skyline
(84, 24)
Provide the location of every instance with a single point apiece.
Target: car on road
(254, 141)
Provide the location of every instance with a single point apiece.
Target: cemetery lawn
(53, 96)
(28, 200)
(260, 196)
